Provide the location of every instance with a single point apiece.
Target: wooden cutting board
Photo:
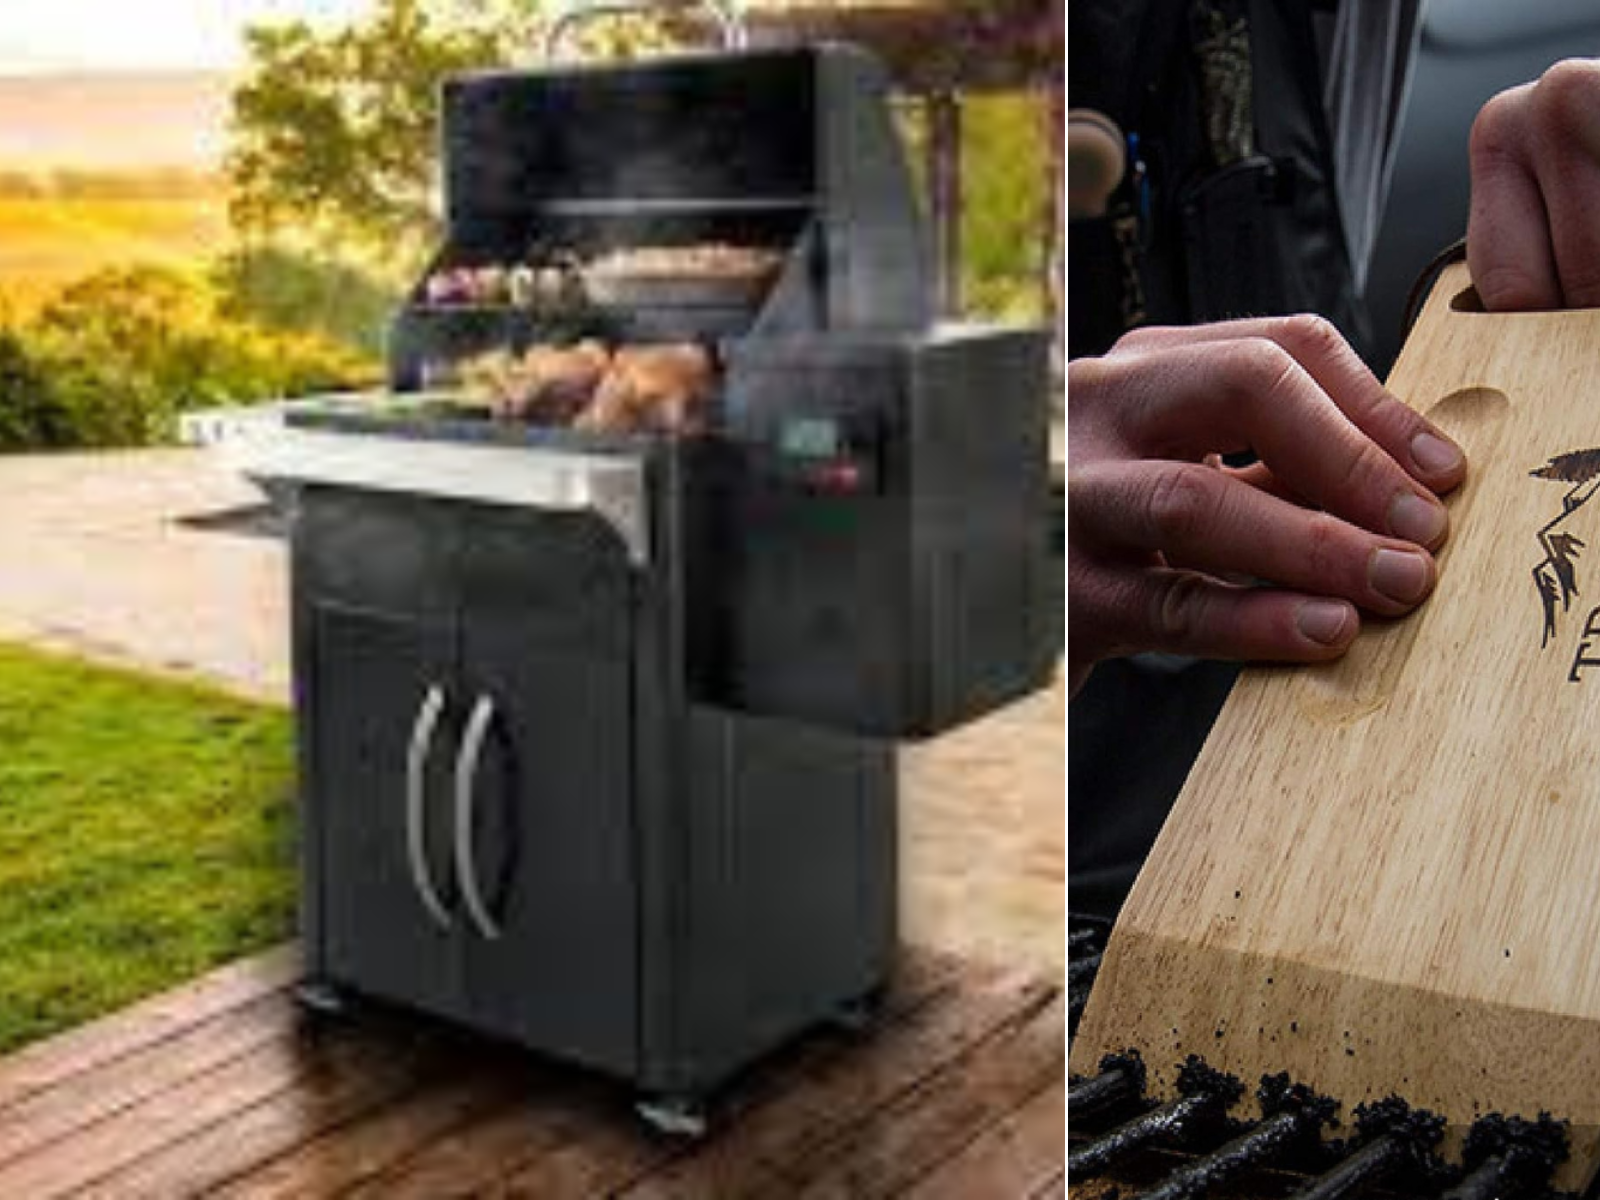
(1383, 874)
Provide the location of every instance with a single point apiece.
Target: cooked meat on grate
(546, 384)
(562, 380)
(661, 389)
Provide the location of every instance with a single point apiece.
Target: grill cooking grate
(1124, 1144)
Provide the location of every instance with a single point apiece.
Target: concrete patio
(100, 562)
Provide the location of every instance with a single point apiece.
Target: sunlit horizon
(93, 36)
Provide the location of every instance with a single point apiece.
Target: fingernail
(1323, 621)
(1417, 520)
(1434, 454)
(1401, 575)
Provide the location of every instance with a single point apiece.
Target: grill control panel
(835, 454)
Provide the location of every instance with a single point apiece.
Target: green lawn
(144, 837)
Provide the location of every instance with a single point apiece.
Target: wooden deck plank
(99, 1151)
(906, 1139)
(334, 1162)
(91, 1095)
(220, 1089)
(541, 1148)
(768, 1146)
(56, 1059)
(320, 1103)
(608, 1156)
(1018, 1156)
(476, 1160)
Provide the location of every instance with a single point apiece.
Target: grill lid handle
(725, 13)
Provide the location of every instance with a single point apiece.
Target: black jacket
(1207, 236)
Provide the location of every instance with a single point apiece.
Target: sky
(119, 35)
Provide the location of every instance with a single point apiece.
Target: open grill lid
(791, 148)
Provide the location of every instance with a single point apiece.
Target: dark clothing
(1228, 209)
(1132, 733)
(1235, 212)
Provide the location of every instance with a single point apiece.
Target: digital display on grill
(810, 437)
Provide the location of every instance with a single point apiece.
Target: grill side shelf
(611, 486)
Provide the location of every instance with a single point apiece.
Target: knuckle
(1135, 340)
(1179, 507)
(1086, 374)
(1143, 338)
(1177, 610)
(1566, 94)
(1324, 547)
(1497, 130)
(1309, 334)
(1366, 471)
(1260, 365)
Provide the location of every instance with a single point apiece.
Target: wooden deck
(220, 1088)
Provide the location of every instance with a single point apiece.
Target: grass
(144, 837)
(47, 242)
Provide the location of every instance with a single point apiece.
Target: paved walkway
(94, 558)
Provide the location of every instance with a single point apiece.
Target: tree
(339, 129)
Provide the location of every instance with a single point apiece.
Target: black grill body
(666, 777)
(678, 887)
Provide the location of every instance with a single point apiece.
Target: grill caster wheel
(321, 1001)
(682, 1117)
(859, 1014)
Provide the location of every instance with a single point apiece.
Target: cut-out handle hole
(1469, 409)
(1466, 300)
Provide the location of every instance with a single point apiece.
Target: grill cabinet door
(546, 640)
(372, 725)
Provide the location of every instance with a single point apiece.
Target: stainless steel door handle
(477, 730)
(422, 731)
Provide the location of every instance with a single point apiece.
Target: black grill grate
(1124, 1144)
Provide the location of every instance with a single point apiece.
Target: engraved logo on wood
(1555, 575)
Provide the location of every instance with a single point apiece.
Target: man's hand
(1340, 512)
(1533, 238)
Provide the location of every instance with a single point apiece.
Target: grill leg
(859, 1014)
(674, 1115)
(319, 998)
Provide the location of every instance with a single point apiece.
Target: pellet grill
(596, 731)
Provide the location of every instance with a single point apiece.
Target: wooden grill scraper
(1383, 874)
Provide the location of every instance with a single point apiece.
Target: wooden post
(944, 191)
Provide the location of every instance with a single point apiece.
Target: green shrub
(113, 359)
(294, 292)
(31, 414)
